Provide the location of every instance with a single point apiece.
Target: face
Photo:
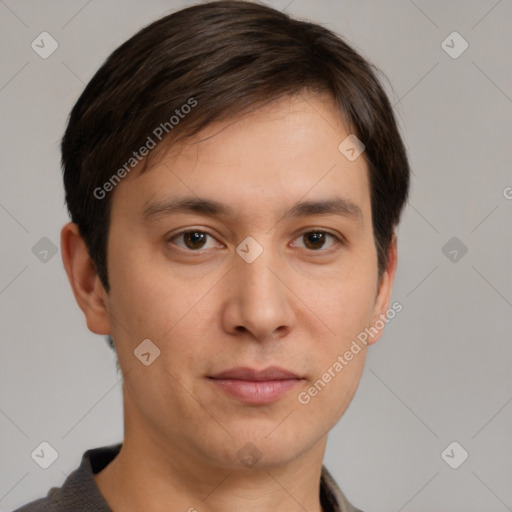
(246, 255)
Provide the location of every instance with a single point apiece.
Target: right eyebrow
(189, 204)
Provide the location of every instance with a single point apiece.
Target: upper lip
(250, 374)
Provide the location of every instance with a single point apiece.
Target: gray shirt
(79, 492)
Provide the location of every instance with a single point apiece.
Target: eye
(192, 239)
(317, 239)
(196, 239)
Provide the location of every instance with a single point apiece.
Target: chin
(262, 449)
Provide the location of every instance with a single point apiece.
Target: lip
(250, 374)
(253, 386)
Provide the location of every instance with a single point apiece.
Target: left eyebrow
(338, 206)
(212, 208)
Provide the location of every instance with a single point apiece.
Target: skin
(298, 306)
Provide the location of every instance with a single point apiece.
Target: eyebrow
(192, 204)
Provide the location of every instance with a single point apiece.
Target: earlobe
(385, 288)
(89, 293)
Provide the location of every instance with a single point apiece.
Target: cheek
(327, 398)
(344, 301)
(354, 309)
(338, 359)
(170, 309)
(347, 314)
(345, 305)
(141, 294)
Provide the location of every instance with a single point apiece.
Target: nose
(258, 300)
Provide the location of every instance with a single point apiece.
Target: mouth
(256, 387)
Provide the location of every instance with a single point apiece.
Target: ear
(384, 292)
(85, 283)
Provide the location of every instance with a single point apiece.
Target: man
(234, 179)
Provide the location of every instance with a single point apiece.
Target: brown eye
(193, 239)
(317, 240)
(314, 239)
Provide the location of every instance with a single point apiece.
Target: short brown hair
(228, 56)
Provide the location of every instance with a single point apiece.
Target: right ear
(87, 288)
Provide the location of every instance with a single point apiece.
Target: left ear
(384, 292)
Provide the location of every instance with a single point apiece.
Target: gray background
(441, 372)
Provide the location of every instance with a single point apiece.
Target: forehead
(277, 154)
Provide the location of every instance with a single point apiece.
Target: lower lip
(256, 392)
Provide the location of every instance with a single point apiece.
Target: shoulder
(79, 491)
(40, 505)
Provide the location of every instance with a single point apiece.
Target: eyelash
(338, 240)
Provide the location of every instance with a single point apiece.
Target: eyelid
(174, 234)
